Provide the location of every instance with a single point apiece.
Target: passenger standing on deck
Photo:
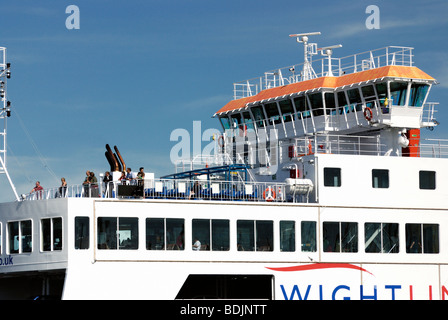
(140, 176)
(63, 188)
(38, 190)
(108, 184)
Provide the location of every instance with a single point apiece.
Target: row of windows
(256, 235)
(380, 178)
(214, 235)
(313, 104)
(20, 239)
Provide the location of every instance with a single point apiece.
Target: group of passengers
(90, 184)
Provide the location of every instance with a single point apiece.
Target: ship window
(249, 231)
(13, 232)
(25, 235)
(342, 102)
(248, 120)
(340, 237)
(121, 233)
(155, 233)
(308, 230)
(398, 93)
(258, 116)
(287, 110)
(380, 178)
(287, 236)
(160, 231)
(82, 232)
(272, 113)
(201, 232)
(427, 180)
(20, 236)
(355, 99)
(316, 104)
(422, 238)
(236, 120)
(368, 91)
(330, 104)
(219, 235)
(332, 177)
(225, 122)
(51, 231)
(302, 106)
(418, 94)
(381, 237)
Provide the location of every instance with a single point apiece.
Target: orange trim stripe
(329, 82)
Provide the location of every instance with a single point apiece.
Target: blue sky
(138, 69)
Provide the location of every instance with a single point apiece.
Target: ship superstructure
(320, 188)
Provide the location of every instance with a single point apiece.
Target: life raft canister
(269, 194)
(368, 114)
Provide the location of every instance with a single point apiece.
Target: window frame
(52, 234)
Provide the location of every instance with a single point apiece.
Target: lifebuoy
(368, 114)
(269, 194)
(221, 141)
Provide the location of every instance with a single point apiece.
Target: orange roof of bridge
(329, 82)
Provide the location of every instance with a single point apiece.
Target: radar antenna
(5, 112)
(310, 50)
(327, 52)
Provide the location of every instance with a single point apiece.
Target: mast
(5, 113)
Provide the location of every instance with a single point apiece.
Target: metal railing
(387, 56)
(174, 189)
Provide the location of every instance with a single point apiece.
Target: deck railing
(387, 56)
(171, 189)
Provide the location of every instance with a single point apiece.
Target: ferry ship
(320, 187)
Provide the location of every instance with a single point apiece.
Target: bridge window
(422, 238)
(287, 236)
(308, 230)
(20, 236)
(51, 231)
(251, 231)
(258, 116)
(121, 233)
(248, 120)
(380, 178)
(272, 112)
(287, 110)
(342, 102)
(302, 106)
(332, 177)
(368, 91)
(355, 99)
(316, 104)
(82, 232)
(427, 180)
(398, 93)
(418, 94)
(381, 237)
(225, 122)
(340, 237)
(330, 104)
(161, 231)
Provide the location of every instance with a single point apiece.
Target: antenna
(328, 51)
(5, 112)
(310, 49)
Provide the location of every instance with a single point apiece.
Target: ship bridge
(357, 94)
